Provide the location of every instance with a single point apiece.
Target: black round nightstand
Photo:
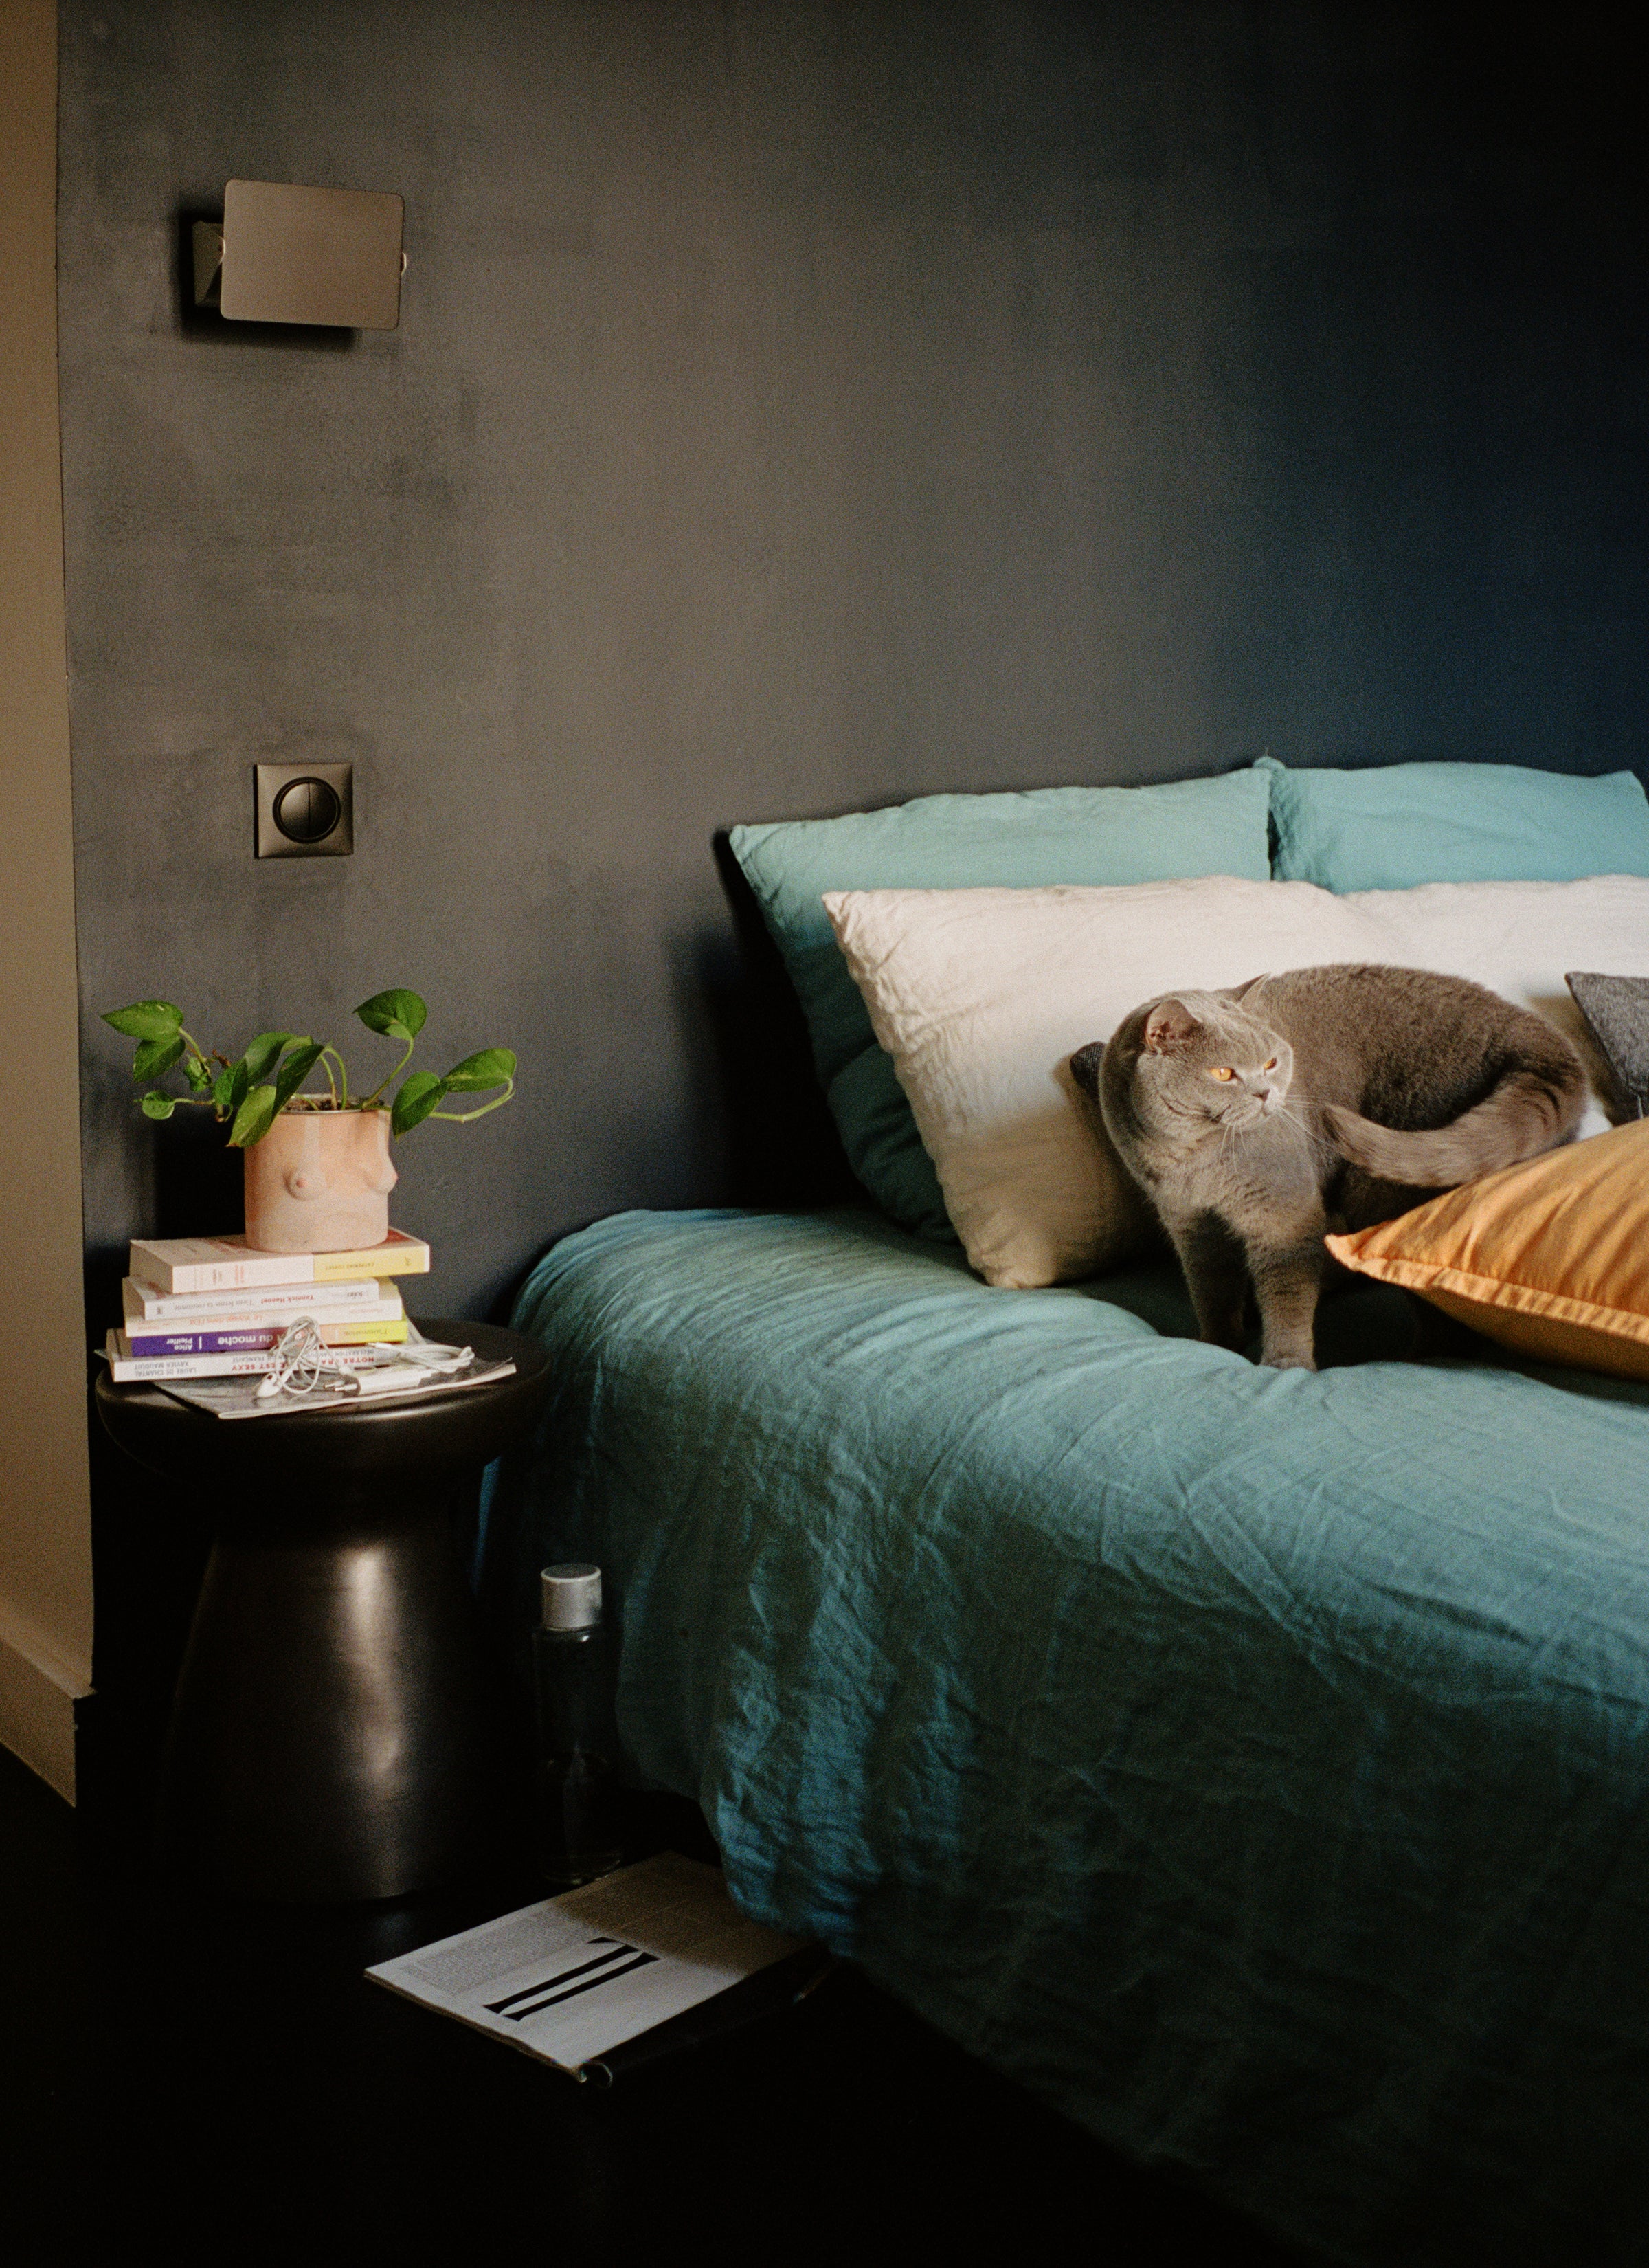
(330, 1737)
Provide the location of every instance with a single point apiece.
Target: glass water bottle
(576, 1793)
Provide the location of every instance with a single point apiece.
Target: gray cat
(1325, 1098)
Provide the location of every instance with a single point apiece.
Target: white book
(574, 1977)
(126, 1371)
(141, 1302)
(229, 1264)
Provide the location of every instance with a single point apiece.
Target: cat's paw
(1288, 1362)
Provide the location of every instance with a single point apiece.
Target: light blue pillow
(1077, 834)
(1398, 825)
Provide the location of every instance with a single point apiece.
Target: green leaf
(156, 1105)
(491, 1068)
(264, 1053)
(146, 1019)
(417, 1097)
(398, 1015)
(253, 1119)
(229, 1088)
(198, 1075)
(155, 1056)
(295, 1070)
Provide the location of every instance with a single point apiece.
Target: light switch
(305, 811)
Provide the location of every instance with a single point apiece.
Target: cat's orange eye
(1224, 1072)
(1272, 1065)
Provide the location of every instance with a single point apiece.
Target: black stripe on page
(549, 1983)
(589, 1985)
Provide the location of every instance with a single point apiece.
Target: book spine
(254, 1338)
(409, 1259)
(246, 1312)
(243, 1272)
(157, 1369)
(189, 1306)
(221, 1275)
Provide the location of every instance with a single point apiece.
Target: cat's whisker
(1316, 1142)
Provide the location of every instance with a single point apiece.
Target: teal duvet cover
(1255, 1764)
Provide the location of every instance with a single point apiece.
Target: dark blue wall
(797, 407)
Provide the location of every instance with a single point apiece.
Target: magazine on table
(409, 1371)
(575, 1979)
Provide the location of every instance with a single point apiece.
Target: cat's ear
(1169, 1026)
(1085, 1068)
(1241, 991)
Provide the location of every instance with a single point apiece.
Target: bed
(1252, 1765)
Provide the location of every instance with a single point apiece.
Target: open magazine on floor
(409, 1371)
(583, 1980)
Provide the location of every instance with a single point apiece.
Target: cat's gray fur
(1356, 1091)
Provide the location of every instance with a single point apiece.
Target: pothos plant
(248, 1091)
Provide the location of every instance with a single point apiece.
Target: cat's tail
(1526, 1113)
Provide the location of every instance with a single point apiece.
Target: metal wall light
(282, 253)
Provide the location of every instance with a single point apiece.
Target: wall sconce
(286, 255)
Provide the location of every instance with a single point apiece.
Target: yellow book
(390, 1334)
(397, 1256)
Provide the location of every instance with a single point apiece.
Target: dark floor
(226, 2082)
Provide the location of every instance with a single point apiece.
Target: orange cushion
(1551, 1258)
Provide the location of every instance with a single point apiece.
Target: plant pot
(319, 1182)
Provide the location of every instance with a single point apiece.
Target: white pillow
(981, 997)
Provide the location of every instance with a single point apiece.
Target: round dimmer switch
(306, 810)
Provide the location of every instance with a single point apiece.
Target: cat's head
(1195, 1061)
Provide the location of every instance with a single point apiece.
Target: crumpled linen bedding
(1253, 1763)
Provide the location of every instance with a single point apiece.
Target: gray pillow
(1617, 1008)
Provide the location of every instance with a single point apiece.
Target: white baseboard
(38, 1693)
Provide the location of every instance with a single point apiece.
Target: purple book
(142, 1346)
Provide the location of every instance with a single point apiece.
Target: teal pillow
(1398, 825)
(966, 841)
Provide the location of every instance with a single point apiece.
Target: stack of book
(211, 1306)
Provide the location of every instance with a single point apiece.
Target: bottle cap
(571, 1597)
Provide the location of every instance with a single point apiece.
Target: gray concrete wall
(793, 408)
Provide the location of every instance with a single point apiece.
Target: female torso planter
(318, 1170)
(319, 1182)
